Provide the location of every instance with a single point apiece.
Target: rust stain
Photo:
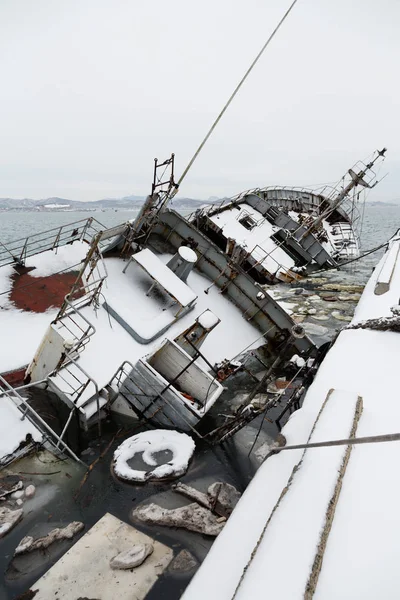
(16, 377)
(37, 294)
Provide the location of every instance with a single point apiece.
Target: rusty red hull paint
(16, 377)
(37, 294)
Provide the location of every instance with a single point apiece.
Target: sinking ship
(281, 233)
(146, 320)
(150, 321)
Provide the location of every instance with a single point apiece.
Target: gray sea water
(379, 223)
(17, 225)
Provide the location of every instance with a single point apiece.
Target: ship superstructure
(281, 233)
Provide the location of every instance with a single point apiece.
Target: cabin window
(248, 222)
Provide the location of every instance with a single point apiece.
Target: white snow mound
(149, 443)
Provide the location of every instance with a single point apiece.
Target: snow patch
(149, 443)
(56, 205)
(208, 319)
(298, 361)
(257, 240)
(29, 544)
(63, 258)
(187, 254)
(8, 519)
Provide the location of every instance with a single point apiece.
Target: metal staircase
(57, 358)
(87, 286)
(79, 391)
(125, 385)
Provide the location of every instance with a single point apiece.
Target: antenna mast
(356, 179)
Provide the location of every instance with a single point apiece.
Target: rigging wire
(213, 126)
(362, 215)
(353, 259)
(252, 343)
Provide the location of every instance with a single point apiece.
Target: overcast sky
(93, 90)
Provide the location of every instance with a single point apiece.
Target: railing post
(57, 239)
(23, 251)
(24, 413)
(86, 227)
(60, 440)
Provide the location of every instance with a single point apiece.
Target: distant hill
(63, 204)
(126, 203)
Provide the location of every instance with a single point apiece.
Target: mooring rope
(213, 126)
(381, 324)
(343, 264)
(370, 439)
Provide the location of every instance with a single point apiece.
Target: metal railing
(29, 413)
(120, 373)
(88, 284)
(314, 198)
(260, 255)
(17, 251)
(75, 385)
(70, 319)
(73, 325)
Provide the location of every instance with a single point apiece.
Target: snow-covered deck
(22, 331)
(360, 559)
(256, 240)
(147, 314)
(111, 345)
(164, 277)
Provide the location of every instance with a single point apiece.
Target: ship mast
(162, 190)
(356, 179)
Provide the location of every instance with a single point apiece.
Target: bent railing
(27, 412)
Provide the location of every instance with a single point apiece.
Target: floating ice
(297, 360)
(29, 544)
(149, 443)
(8, 519)
(30, 491)
(192, 517)
(133, 557)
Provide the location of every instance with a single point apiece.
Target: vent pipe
(183, 262)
